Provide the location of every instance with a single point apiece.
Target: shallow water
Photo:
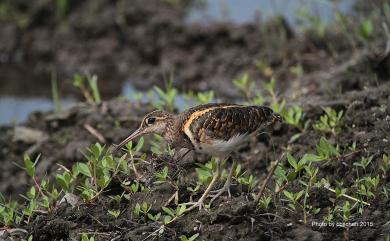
(244, 11)
(15, 106)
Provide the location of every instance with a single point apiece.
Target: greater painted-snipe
(214, 129)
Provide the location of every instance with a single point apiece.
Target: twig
(154, 232)
(170, 199)
(95, 132)
(116, 238)
(387, 33)
(270, 173)
(347, 196)
(63, 167)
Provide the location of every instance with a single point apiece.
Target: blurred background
(128, 46)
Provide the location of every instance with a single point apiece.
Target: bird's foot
(192, 205)
(219, 192)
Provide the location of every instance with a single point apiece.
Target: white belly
(221, 146)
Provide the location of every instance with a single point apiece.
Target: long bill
(135, 134)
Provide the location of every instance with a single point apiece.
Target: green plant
(307, 20)
(264, 202)
(369, 186)
(311, 175)
(206, 172)
(330, 122)
(385, 166)
(61, 7)
(91, 94)
(276, 105)
(248, 180)
(166, 96)
(264, 67)
(99, 171)
(366, 28)
(9, 214)
(161, 176)
(158, 147)
(173, 214)
(141, 210)
(364, 162)
(201, 97)
(293, 198)
(114, 213)
(192, 238)
(326, 150)
(30, 238)
(245, 84)
(294, 116)
(297, 70)
(84, 237)
(346, 211)
(55, 92)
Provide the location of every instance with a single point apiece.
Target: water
(16, 109)
(22, 92)
(245, 11)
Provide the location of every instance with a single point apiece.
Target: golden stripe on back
(198, 113)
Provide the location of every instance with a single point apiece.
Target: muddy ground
(145, 42)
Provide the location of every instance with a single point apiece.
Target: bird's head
(153, 122)
(272, 117)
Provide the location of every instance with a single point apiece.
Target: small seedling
(205, 172)
(293, 198)
(114, 213)
(91, 94)
(364, 162)
(142, 210)
(245, 84)
(84, 237)
(297, 70)
(173, 214)
(385, 166)
(326, 150)
(366, 28)
(166, 96)
(30, 238)
(192, 238)
(201, 97)
(330, 122)
(264, 202)
(161, 176)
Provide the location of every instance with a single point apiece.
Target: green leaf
(62, 182)
(83, 169)
(292, 161)
(366, 28)
(181, 210)
(140, 144)
(193, 237)
(183, 238)
(168, 211)
(311, 158)
(289, 195)
(167, 219)
(29, 166)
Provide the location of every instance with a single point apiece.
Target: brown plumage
(214, 129)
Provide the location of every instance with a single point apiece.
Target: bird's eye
(150, 120)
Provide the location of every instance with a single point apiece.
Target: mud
(122, 40)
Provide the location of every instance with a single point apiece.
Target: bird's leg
(200, 202)
(226, 186)
(181, 157)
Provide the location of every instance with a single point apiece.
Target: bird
(215, 129)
